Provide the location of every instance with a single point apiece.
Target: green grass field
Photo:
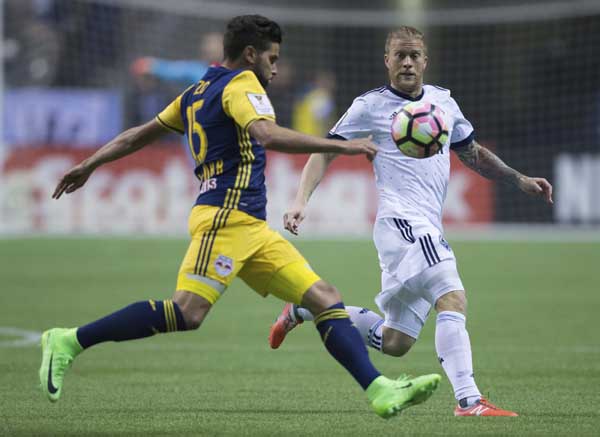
(533, 321)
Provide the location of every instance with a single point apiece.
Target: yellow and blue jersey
(215, 114)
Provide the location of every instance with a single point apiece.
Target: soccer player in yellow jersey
(229, 122)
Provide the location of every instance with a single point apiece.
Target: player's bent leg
(340, 338)
(366, 321)
(194, 307)
(139, 320)
(396, 343)
(378, 336)
(319, 297)
(294, 281)
(197, 292)
(369, 324)
(344, 343)
(142, 319)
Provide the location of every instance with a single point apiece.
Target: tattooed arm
(488, 165)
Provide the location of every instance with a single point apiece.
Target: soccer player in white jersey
(418, 266)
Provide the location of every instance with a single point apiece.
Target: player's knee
(320, 296)
(192, 321)
(453, 301)
(396, 343)
(192, 317)
(395, 349)
(193, 308)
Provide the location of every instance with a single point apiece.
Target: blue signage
(72, 117)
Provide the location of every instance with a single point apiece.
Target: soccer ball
(419, 130)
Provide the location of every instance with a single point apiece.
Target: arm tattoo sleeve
(487, 164)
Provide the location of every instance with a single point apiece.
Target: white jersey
(407, 187)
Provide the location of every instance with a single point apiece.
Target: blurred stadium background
(78, 72)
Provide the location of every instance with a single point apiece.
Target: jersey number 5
(195, 128)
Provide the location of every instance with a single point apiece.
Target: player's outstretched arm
(487, 164)
(122, 145)
(278, 138)
(312, 174)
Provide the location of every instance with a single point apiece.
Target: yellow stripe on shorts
(219, 221)
(220, 224)
(204, 243)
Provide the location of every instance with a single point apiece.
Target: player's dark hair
(249, 30)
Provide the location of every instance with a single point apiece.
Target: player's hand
(361, 146)
(536, 187)
(292, 218)
(72, 180)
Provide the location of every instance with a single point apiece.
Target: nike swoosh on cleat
(407, 385)
(51, 387)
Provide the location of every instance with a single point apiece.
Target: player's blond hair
(404, 32)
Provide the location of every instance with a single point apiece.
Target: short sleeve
(245, 100)
(462, 132)
(355, 123)
(170, 117)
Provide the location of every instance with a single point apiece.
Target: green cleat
(389, 397)
(59, 348)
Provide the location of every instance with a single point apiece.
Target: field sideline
(532, 319)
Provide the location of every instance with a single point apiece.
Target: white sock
(454, 353)
(303, 313)
(368, 323)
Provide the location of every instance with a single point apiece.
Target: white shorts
(417, 268)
